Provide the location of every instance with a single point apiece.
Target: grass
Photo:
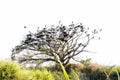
(12, 71)
(112, 70)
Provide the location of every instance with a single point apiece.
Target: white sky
(105, 14)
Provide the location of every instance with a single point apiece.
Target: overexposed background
(105, 14)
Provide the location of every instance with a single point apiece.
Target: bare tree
(54, 43)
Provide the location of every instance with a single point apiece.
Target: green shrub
(24, 74)
(112, 73)
(92, 72)
(58, 75)
(11, 71)
(27, 74)
(43, 75)
(73, 74)
(116, 68)
(8, 70)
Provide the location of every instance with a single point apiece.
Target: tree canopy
(54, 43)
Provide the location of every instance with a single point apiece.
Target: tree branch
(48, 59)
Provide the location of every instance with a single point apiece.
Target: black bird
(25, 27)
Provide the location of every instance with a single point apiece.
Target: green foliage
(58, 75)
(25, 74)
(8, 70)
(74, 75)
(117, 68)
(112, 72)
(97, 72)
(64, 70)
(85, 62)
(43, 75)
(11, 71)
(92, 72)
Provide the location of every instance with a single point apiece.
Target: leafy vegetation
(10, 70)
